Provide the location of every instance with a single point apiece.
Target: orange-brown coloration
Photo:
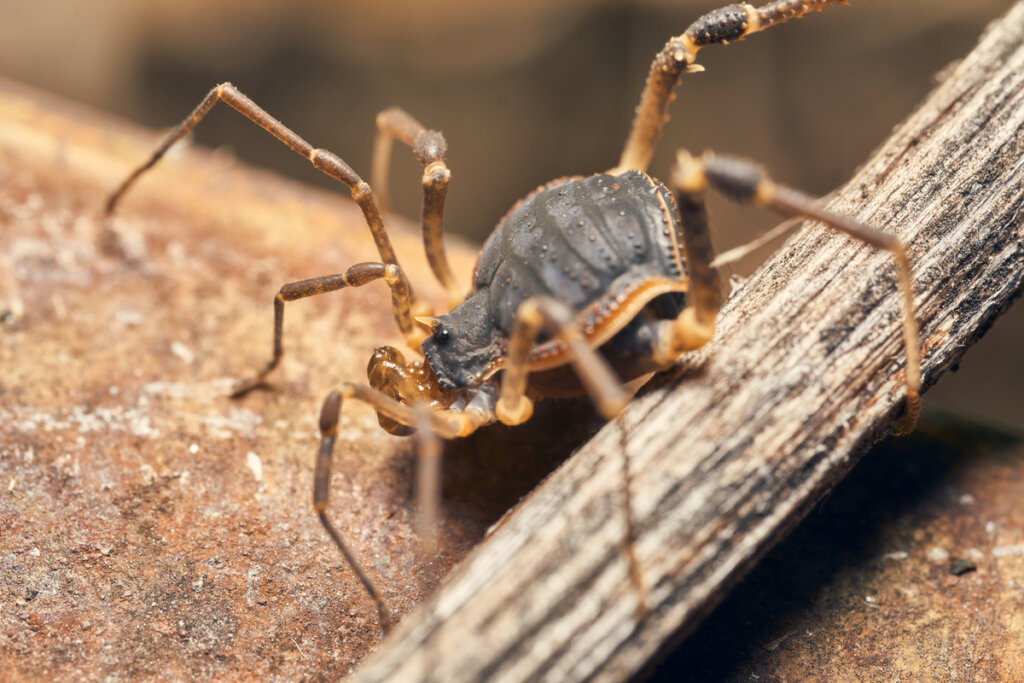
(607, 321)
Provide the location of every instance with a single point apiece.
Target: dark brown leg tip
(329, 413)
(243, 387)
(387, 622)
(909, 419)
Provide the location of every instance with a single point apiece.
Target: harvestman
(586, 283)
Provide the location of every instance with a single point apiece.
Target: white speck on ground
(254, 463)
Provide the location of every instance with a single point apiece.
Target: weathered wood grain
(806, 374)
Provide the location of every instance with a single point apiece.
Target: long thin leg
(428, 481)
(744, 181)
(439, 423)
(321, 488)
(679, 55)
(551, 316)
(323, 160)
(356, 276)
(430, 149)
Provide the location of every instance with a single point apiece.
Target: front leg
(356, 276)
(430, 423)
(325, 161)
(549, 315)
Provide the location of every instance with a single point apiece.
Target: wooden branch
(805, 375)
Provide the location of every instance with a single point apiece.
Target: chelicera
(585, 284)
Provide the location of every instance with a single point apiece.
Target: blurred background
(525, 92)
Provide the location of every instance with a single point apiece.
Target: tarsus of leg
(792, 203)
(321, 488)
(432, 423)
(636, 576)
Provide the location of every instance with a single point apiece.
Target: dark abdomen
(582, 241)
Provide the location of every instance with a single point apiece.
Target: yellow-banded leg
(430, 149)
(743, 181)
(679, 55)
(544, 314)
(356, 276)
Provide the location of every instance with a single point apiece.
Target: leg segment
(679, 55)
(356, 276)
(551, 316)
(428, 481)
(438, 423)
(325, 161)
(321, 488)
(430, 148)
(743, 181)
(548, 315)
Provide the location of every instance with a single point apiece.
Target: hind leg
(543, 314)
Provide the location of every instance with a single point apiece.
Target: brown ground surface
(151, 527)
(866, 588)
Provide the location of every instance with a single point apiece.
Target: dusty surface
(150, 525)
(877, 583)
(153, 528)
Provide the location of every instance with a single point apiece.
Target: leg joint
(739, 179)
(392, 274)
(689, 174)
(436, 172)
(329, 414)
(430, 146)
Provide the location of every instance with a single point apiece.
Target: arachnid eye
(442, 335)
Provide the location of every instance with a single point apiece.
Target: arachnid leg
(743, 181)
(695, 325)
(356, 276)
(430, 149)
(329, 414)
(325, 161)
(721, 26)
(543, 314)
(439, 423)
(428, 481)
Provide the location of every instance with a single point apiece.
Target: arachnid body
(586, 283)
